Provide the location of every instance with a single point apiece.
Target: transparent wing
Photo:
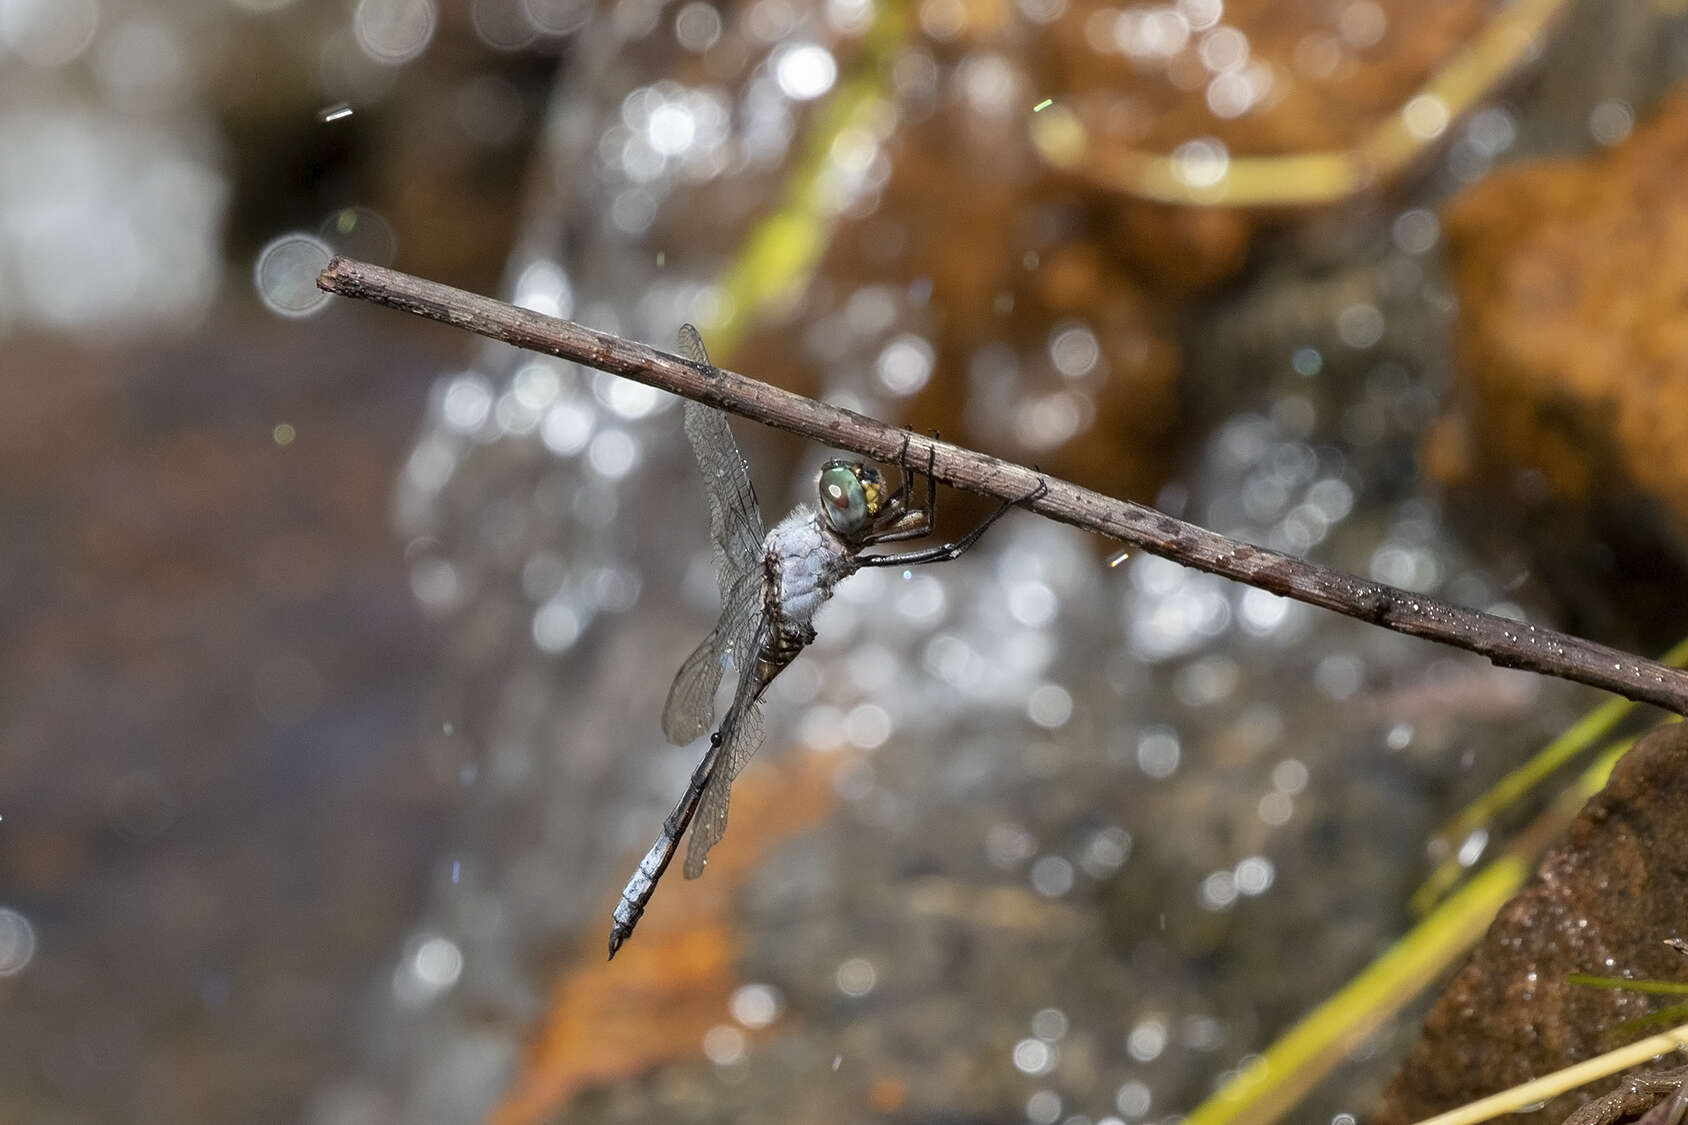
(710, 823)
(735, 534)
(741, 736)
(690, 710)
(691, 697)
(735, 537)
(735, 519)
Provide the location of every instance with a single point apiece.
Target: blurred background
(336, 640)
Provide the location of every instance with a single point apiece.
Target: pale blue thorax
(808, 559)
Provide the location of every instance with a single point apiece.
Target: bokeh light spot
(804, 71)
(48, 33)
(17, 942)
(856, 977)
(394, 31)
(286, 272)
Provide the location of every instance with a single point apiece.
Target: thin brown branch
(1506, 643)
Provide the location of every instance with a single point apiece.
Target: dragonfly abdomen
(788, 640)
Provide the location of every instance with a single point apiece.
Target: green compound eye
(843, 499)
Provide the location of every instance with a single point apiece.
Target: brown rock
(1007, 257)
(652, 1005)
(1005, 249)
(1573, 334)
(1266, 79)
(1603, 903)
(1331, 72)
(208, 708)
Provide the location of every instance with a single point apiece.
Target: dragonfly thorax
(804, 557)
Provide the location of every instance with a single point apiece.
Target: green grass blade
(1652, 987)
(1265, 1091)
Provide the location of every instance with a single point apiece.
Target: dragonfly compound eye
(844, 500)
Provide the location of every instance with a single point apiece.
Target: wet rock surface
(1047, 346)
(215, 825)
(1303, 75)
(214, 815)
(1604, 902)
(1571, 277)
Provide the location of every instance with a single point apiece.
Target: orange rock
(1009, 262)
(1573, 281)
(887, 1095)
(1332, 71)
(671, 982)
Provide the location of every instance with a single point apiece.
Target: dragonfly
(771, 584)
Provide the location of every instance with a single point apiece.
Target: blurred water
(1203, 778)
(1100, 830)
(114, 220)
(1087, 834)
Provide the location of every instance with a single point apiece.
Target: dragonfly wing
(690, 710)
(740, 736)
(736, 754)
(735, 519)
(691, 345)
(735, 522)
(691, 698)
(710, 823)
(735, 535)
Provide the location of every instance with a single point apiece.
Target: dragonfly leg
(916, 524)
(953, 550)
(902, 491)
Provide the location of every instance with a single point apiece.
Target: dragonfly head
(854, 497)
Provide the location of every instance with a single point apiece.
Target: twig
(1642, 1094)
(1506, 643)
